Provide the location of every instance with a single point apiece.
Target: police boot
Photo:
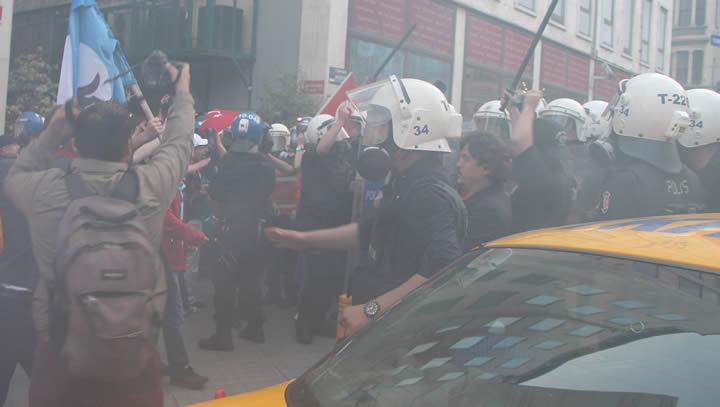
(254, 332)
(303, 332)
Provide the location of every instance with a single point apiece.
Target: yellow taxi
(621, 313)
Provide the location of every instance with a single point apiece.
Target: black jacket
(418, 230)
(17, 262)
(544, 192)
(489, 216)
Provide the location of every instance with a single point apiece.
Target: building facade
(695, 56)
(472, 48)
(6, 19)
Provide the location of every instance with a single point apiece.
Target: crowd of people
(108, 218)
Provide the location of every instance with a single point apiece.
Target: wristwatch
(300, 148)
(371, 309)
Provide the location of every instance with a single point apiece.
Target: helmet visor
(279, 142)
(566, 123)
(378, 126)
(493, 125)
(610, 109)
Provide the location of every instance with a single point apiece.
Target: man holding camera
(102, 134)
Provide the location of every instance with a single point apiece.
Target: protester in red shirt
(177, 235)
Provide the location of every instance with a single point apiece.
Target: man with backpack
(96, 228)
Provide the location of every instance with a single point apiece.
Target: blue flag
(94, 67)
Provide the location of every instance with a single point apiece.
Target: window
(684, 10)
(698, 58)
(527, 4)
(682, 64)
(629, 26)
(700, 12)
(559, 13)
(645, 31)
(584, 17)
(608, 10)
(662, 28)
(366, 56)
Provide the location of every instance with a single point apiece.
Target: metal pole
(395, 50)
(531, 50)
(594, 50)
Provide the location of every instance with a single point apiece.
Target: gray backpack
(106, 273)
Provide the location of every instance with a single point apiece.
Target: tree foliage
(285, 101)
(30, 87)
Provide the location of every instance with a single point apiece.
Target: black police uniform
(587, 177)
(710, 178)
(419, 229)
(489, 216)
(325, 202)
(543, 196)
(635, 188)
(18, 274)
(242, 187)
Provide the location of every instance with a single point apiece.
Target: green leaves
(31, 87)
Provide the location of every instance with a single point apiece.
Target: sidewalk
(249, 367)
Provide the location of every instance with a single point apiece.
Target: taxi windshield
(519, 327)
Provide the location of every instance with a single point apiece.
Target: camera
(155, 80)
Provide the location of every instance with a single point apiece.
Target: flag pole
(137, 93)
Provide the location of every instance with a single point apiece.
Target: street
(249, 367)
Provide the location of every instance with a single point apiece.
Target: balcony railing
(210, 30)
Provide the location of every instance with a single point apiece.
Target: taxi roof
(691, 241)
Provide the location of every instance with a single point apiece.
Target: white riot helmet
(704, 127)
(318, 126)
(280, 136)
(599, 126)
(491, 119)
(649, 113)
(416, 111)
(570, 116)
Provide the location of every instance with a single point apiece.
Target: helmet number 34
(419, 130)
(696, 123)
(673, 98)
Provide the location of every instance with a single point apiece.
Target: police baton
(530, 52)
(394, 51)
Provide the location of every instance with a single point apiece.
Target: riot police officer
(576, 126)
(646, 176)
(700, 145)
(419, 227)
(241, 199)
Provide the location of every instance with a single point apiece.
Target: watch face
(371, 309)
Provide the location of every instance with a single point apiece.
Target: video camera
(155, 80)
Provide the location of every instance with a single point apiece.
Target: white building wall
(5, 34)
(323, 39)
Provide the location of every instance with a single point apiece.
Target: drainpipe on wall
(593, 52)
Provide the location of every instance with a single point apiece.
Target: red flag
(331, 105)
(217, 120)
